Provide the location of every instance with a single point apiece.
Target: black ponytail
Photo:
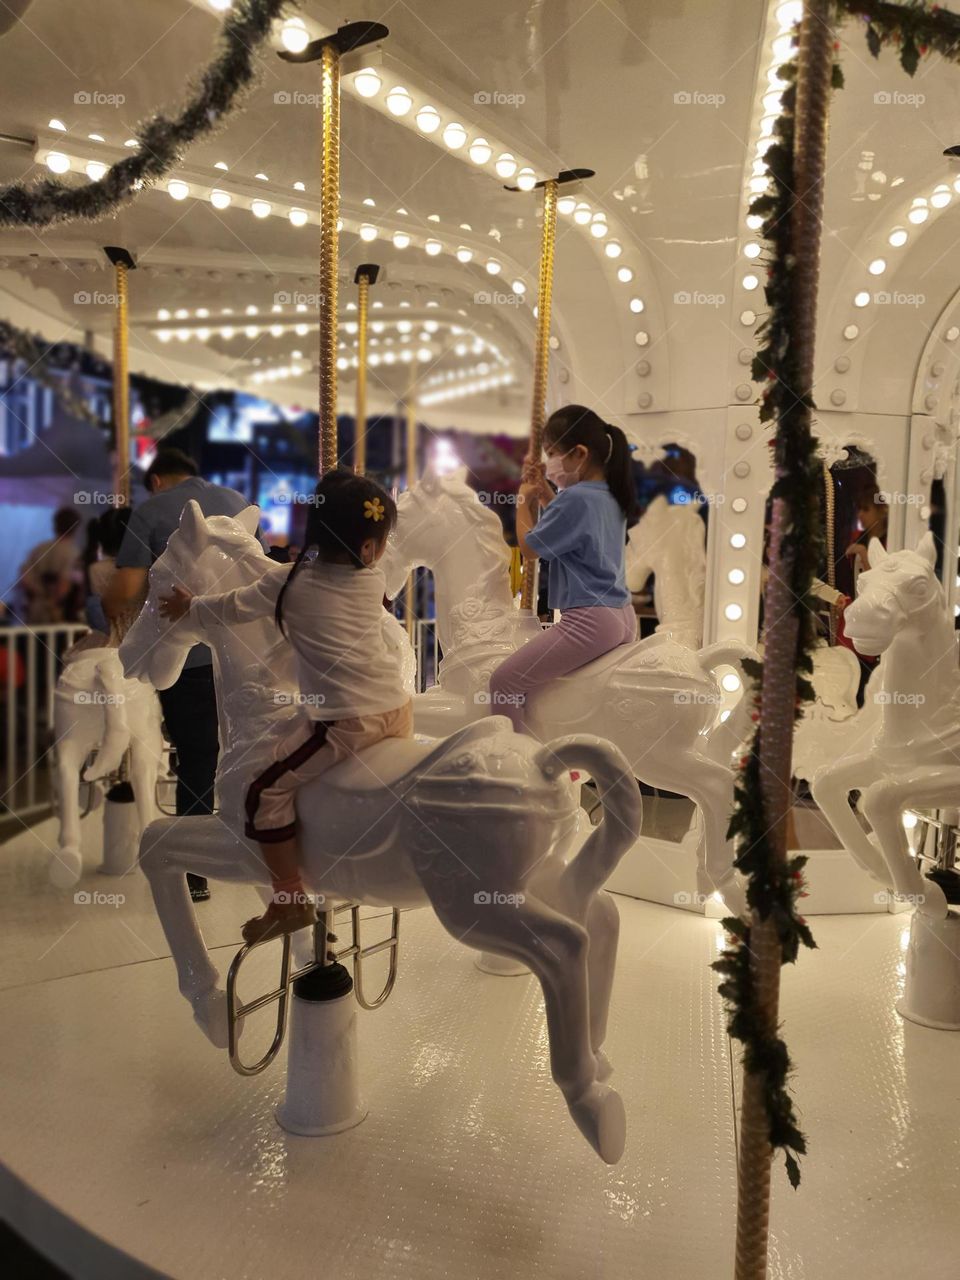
(345, 510)
(608, 448)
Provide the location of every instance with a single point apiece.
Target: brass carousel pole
(328, 53)
(410, 407)
(366, 276)
(778, 700)
(541, 354)
(122, 262)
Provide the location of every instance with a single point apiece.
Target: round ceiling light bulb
(750, 282)
(738, 540)
(177, 189)
(428, 119)
(493, 267)
(877, 267)
(526, 179)
(566, 204)
(220, 199)
(752, 250)
(636, 305)
(433, 247)
(733, 613)
(58, 125)
(298, 217)
(400, 239)
(897, 237)
(613, 248)
(261, 208)
(862, 299)
(941, 198)
(624, 275)
(464, 254)
(367, 83)
(368, 232)
(398, 101)
(480, 151)
(454, 135)
(506, 166)
(294, 35)
(95, 170)
(582, 214)
(519, 287)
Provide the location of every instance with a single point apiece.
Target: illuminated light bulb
(261, 208)
(276, 330)
(897, 237)
(251, 310)
(366, 82)
(227, 331)
(398, 101)
(58, 125)
(178, 190)
(598, 226)
(454, 135)
(389, 357)
(221, 165)
(131, 143)
(96, 137)
(919, 213)
(582, 214)
(758, 185)
(202, 313)
(738, 540)
(164, 335)
(862, 299)
(636, 305)
(433, 247)
(877, 267)
(294, 35)
(220, 199)
(400, 239)
(783, 48)
(367, 232)
(789, 14)
(641, 339)
(251, 331)
(851, 331)
(404, 326)
(480, 151)
(464, 254)
(613, 248)
(203, 334)
(298, 217)
(493, 267)
(518, 287)
(95, 170)
(624, 275)
(909, 821)
(428, 119)
(736, 577)
(730, 682)
(183, 335)
(526, 179)
(374, 358)
(752, 250)
(506, 166)
(941, 198)
(163, 314)
(766, 126)
(351, 326)
(181, 314)
(772, 103)
(302, 330)
(220, 5)
(262, 177)
(733, 612)
(298, 186)
(754, 221)
(342, 362)
(750, 282)
(424, 353)
(566, 204)
(57, 162)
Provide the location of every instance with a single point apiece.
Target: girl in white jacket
(330, 605)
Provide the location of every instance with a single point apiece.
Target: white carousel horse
(95, 706)
(670, 541)
(657, 700)
(469, 826)
(828, 726)
(906, 738)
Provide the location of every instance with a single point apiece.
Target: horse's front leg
(196, 974)
(883, 806)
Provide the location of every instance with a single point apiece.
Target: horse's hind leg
(555, 948)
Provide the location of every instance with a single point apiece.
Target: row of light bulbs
(466, 389)
(917, 214)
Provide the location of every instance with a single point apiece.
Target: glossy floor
(125, 1136)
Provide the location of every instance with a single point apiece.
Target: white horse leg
(555, 948)
(830, 789)
(146, 750)
(883, 805)
(196, 974)
(66, 864)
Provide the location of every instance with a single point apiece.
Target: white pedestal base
(931, 994)
(323, 1079)
(121, 837)
(500, 966)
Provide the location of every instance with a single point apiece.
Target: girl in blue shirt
(581, 532)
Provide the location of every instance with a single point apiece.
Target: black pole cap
(369, 269)
(353, 36)
(118, 255)
(565, 175)
(325, 982)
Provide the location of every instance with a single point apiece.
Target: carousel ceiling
(657, 283)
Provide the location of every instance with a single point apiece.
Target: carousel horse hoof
(933, 901)
(604, 1065)
(66, 866)
(210, 1015)
(274, 923)
(600, 1116)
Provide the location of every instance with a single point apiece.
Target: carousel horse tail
(619, 794)
(727, 736)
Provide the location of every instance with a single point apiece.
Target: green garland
(162, 139)
(772, 891)
(17, 344)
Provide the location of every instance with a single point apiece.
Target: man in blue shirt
(189, 705)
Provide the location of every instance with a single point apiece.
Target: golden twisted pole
(815, 65)
(329, 251)
(411, 451)
(541, 360)
(360, 418)
(122, 263)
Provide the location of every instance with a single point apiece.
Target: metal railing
(30, 663)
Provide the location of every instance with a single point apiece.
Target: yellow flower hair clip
(373, 509)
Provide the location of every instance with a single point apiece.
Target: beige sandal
(278, 919)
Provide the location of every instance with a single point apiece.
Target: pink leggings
(580, 636)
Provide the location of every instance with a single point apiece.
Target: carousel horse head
(899, 590)
(205, 554)
(441, 522)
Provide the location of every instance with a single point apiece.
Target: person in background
(104, 536)
(581, 532)
(190, 705)
(872, 516)
(47, 577)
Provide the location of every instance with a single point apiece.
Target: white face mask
(557, 474)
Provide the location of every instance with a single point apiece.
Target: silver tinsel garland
(162, 139)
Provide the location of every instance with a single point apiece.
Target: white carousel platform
(129, 1147)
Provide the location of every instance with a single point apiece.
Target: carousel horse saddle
(396, 763)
